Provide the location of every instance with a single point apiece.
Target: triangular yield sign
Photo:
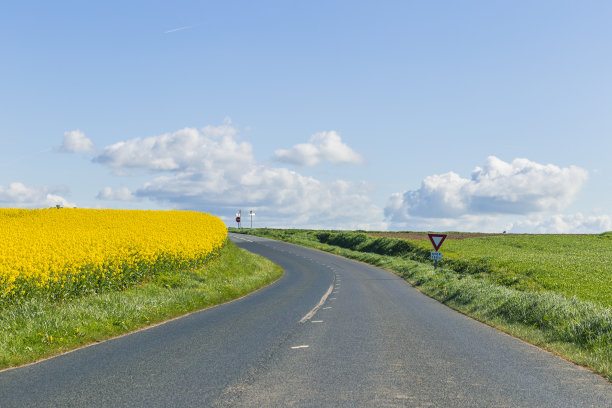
(437, 240)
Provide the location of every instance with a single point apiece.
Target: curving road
(330, 332)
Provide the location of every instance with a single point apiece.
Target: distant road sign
(437, 240)
(436, 256)
(237, 219)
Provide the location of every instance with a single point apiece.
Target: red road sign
(237, 219)
(437, 240)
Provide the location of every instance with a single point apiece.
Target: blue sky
(401, 115)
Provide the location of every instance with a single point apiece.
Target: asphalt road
(371, 340)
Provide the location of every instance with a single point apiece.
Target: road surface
(330, 333)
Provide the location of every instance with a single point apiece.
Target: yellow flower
(54, 250)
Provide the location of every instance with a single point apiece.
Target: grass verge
(578, 330)
(38, 328)
(574, 265)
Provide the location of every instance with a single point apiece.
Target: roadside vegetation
(511, 282)
(574, 265)
(161, 272)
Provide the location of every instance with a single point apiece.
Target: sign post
(238, 214)
(436, 241)
(251, 213)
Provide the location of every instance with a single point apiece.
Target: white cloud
(521, 187)
(563, 224)
(122, 194)
(279, 197)
(210, 170)
(323, 146)
(532, 224)
(17, 195)
(76, 141)
(188, 149)
(476, 223)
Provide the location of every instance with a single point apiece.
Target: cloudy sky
(399, 115)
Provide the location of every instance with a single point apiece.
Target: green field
(574, 265)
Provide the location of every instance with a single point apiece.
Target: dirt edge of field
(451, 235)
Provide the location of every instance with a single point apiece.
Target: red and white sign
(237, 219)
(437, 240)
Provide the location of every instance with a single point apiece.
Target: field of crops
(574, 265)
(62, 253)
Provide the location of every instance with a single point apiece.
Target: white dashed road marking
(309, 315)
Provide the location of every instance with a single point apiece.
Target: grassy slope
(39, 329)
(572, 265)
(580, 331)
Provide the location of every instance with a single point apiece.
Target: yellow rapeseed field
(60, 253)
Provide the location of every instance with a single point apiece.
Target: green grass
(573, 265)
(40, 328)
(579, 330)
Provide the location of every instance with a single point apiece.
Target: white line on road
(300, 347)
(314, 309)
(244, 239)
(316, 321)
